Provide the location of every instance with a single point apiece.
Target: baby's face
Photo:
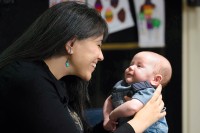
(141, 69)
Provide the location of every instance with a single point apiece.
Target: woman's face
(86, 54)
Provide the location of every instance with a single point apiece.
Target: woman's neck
(57, 66)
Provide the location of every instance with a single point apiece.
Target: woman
(44, 75)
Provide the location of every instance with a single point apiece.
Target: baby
(146, 71)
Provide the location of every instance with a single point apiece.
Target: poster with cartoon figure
(53, 2)
(116, 13)
(150, 18)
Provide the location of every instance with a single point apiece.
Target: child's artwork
(150, 22)
(116, 13)
(53, 2)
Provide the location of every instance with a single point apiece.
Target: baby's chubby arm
(126, 109)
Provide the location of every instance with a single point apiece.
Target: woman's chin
(87, 77)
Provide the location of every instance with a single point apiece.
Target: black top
(32, 100)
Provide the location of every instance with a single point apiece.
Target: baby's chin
(129, 81)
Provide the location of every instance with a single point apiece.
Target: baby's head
(149, 66)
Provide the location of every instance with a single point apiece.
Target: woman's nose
(101, 57)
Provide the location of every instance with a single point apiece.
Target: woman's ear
(69, 45)
(156, 80)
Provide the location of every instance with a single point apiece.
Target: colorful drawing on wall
(151, 23)
(53, 2)
(116, 13)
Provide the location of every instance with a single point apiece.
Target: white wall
(191, 69)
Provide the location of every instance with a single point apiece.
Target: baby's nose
(132, 67)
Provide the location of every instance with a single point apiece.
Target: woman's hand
(150, 113)
(107, 109)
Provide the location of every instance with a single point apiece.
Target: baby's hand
(127, 98)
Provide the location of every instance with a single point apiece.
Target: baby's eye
(132, 63)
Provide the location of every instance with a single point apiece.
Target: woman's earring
(67, 63)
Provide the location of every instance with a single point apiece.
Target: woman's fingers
(156, 94)
(150, 113)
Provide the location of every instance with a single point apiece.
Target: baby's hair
(162, 67)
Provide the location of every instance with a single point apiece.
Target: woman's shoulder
(25, 71)
(27, 77)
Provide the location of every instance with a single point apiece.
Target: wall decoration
(150, 18)
(116, 12)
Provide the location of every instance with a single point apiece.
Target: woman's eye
(99, 45)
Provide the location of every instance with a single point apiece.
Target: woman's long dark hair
(77, 90)
(48, 35)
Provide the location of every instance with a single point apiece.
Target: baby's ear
(156, 80)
